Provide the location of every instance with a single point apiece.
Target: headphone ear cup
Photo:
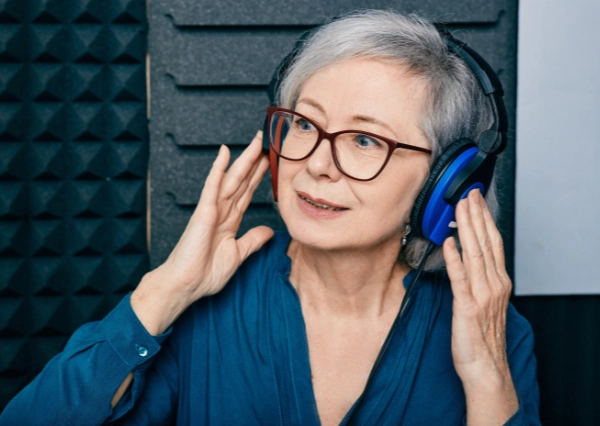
(437, 170)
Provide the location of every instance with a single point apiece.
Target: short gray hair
(456, 106)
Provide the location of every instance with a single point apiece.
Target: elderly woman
(290, 335)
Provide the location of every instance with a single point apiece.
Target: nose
(321, 163)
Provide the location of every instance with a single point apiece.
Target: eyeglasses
(357, 154)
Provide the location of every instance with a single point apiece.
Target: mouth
(321, 204)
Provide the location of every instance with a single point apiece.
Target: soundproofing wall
(73, 166)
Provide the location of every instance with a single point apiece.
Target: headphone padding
(441, 164)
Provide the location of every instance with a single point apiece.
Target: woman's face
(321, 207)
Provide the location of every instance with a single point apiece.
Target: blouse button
(142, 351)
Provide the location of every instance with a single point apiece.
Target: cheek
(286, 173)
(404, 189)
(394, 212)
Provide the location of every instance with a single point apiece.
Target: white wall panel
(557, 233)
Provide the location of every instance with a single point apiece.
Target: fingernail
(476, 194)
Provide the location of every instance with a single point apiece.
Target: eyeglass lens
(359, 156)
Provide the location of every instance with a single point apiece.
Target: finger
(476, 203)
(239, 170)
(215, 176)
(232, 211)
(459, 279)
(255, 180)
(495, 238)
(205, 209)
(498, 248)
(472, 255)
(247, 182)
(252, 240)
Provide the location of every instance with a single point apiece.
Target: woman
(290, 335)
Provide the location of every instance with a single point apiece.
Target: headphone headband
(492, 88)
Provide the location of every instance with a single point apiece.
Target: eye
(366, 141)
(304, 125)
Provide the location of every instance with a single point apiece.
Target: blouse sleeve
(523, 368)
(77, 386)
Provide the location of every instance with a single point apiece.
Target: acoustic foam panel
(73, 160)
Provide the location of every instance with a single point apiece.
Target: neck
(348, 282)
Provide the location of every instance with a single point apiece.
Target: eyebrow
(358, 118)
(312, 103)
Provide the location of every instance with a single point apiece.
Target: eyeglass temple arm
(273, 159)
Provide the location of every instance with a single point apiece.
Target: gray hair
(456, 106)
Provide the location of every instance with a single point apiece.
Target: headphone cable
(390, 335)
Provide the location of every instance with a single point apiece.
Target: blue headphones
(464, 165)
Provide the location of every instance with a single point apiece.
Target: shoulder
(260, 271)
(243, 301)
(270, 257)
(247, 287)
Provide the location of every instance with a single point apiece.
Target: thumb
(252, 240)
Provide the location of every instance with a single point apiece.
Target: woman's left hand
(481, 289)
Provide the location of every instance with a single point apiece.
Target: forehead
(379, 88)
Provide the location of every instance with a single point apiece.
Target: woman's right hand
(208, 253)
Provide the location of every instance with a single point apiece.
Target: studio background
(111, 112)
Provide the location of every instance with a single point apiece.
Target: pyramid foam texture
(73, 160)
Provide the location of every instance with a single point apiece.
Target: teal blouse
(240, 357)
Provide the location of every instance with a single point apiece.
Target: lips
(321, 204)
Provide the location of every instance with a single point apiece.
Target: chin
(330, 230)
(319, 239)
(341, 236)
